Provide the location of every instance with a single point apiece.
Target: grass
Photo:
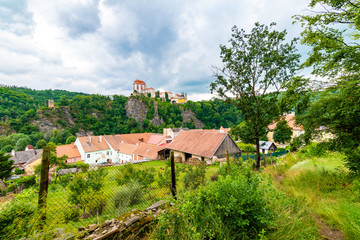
(326, 187)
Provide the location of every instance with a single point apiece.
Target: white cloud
(101, 46)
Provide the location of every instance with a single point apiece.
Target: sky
(102, 46)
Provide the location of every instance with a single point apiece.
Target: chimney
(13, 153)
(141, 139)
(89, 140)
(100, 138)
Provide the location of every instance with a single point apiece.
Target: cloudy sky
(102, 46)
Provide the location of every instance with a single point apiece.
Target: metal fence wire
(80, 197)
(102, 193)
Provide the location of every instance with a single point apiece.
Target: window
(108, 153)
(88, 156)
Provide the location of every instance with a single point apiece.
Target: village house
(206, 146)
(297, 129)
(171, 133)
(322, 134)
(147, 152)
(71, 151)
(266, 147)
(29, 166)
(21, 157)
(94, 150)
(122, 152)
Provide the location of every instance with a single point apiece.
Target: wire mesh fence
(105, 192)
(80, 197)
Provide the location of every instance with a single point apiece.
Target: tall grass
(328, 190)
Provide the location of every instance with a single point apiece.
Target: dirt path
(326, 231)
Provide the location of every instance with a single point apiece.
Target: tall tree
(256, 68)
(282, 132)
(333, 31)
(5, 165)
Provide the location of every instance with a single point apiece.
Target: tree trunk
(257, 163)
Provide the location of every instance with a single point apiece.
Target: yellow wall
(30, 168)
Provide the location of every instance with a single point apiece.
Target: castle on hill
(139, 87)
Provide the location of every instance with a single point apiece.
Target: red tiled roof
(69, 150)
(97, 143)
(202, 143)
(127, 148)
(139, 82)
(118, 143)
(155, 139)
(148, 150)
(136, 137)
(114, 141)
(29, 147)
(290, 119)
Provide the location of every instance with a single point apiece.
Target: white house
(94, 150)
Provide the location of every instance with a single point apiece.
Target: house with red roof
(94, 149)
(206, 146)
(297, 129)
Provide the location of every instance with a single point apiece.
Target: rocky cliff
(189, 116)
(137, 109)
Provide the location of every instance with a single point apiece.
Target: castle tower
(139, 86)
(51, 103)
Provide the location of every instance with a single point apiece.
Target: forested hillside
(24, 112)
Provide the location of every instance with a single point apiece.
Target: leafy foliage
(254, 63)
(230, 208)
(282, 132)
(128, 173)
(5, 165)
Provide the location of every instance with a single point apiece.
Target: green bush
(18, 171)
(216, 163)
(125, 195)
(315, 149)
(11, 187)
(231, 208)
(71, 214)
(16, 217)
(129, 172)
(194, 176)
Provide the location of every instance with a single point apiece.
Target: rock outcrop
(189, 116)
(137, 109)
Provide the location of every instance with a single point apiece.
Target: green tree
(70, 139)
(333, 35)
(255, 64)
(282, 132)
(332, 31)
(22, 143)
(5, 165)
(41, 144)
(246, 134)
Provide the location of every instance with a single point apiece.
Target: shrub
(194, 177)
(11, 187)
(16, 216)
(129, 172)
(126, 195)
(71, 214)
(18, 171)
(216, 163)
(231, 208)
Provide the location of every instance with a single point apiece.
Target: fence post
(173, 177)
(271, 158)
(44, 183)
